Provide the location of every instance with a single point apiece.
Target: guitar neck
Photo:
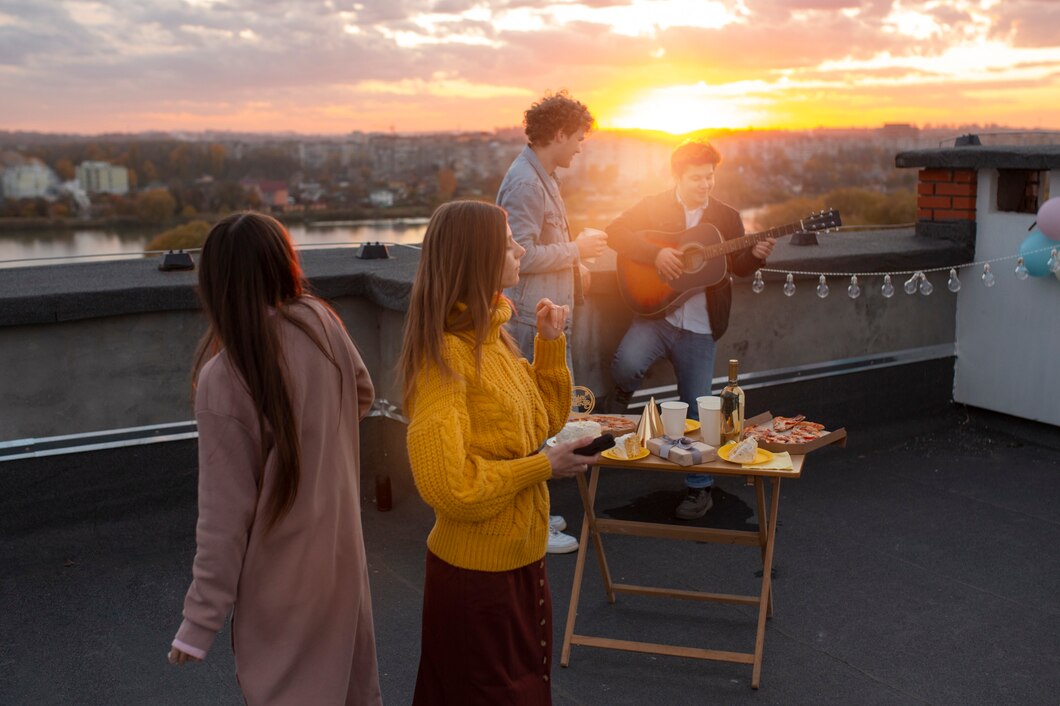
(730, 246)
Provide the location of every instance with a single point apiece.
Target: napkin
(780, 462)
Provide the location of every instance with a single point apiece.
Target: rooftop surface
(917, 565)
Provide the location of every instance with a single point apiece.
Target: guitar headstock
(822, 221)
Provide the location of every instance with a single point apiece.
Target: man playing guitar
(686, 332)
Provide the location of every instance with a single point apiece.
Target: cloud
(95, 65)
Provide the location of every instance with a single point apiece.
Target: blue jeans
(691, 354)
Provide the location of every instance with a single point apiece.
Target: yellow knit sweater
(473, 442)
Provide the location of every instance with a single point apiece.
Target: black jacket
(664, 212)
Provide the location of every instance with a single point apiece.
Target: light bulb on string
(911, 283)
(1021, 270)
(759, 284)
(887, 289)
(926, 287)
(988, 276)
(822, 287)
(1054, 262)
(953, 284)
(854, 290)
(789, 285)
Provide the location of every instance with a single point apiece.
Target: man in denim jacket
(552, 266)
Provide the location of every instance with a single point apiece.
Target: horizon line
(458, 131)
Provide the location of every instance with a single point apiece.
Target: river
(48, 247)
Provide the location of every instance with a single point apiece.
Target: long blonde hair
(462, 261)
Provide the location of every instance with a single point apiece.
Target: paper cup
(710, 419)
(673, 418)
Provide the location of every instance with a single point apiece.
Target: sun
(682, 109)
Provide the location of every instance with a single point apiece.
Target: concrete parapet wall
(87, 355)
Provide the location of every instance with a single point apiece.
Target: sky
(332, 66)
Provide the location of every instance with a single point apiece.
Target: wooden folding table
(593, 527)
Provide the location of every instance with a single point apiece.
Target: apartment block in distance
(27, 181)
(103, 178)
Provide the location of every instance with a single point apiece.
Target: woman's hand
(551, 319)
(566, 463)
(179, 657)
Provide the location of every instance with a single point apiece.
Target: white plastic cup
(710, 419)
(590, 231)
(673, 418)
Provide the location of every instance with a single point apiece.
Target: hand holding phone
(600, 443)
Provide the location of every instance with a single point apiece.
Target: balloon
(1049, 218)
(1035, 262)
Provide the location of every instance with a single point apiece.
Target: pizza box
(838, 437)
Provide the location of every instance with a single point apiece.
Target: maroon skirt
(487, 637)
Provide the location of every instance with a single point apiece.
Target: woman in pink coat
(280, 389)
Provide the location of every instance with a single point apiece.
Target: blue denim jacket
(538, 220)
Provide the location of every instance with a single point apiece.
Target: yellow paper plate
(610, 453)
(691, 425)
(761, 456)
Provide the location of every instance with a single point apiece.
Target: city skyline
(332, 67)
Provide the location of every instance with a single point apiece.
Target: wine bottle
(732, 406)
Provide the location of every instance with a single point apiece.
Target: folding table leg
(767, 570)
(589, 501)
(588, 521)
(764, 519)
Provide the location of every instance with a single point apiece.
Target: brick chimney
(946, 195)
(945, 204)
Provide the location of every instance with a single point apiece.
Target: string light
(953, 284)
(917, 281)
(1021, 270)
(988, 276)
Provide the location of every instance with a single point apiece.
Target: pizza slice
(787, 423)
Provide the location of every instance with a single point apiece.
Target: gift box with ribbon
(683, 451)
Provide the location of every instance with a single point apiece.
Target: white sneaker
(557, 522)
(559, 543)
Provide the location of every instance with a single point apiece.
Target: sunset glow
(682, 109)
(670, 65)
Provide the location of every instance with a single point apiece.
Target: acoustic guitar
(703, 252)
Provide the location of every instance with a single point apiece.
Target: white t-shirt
(692, 315)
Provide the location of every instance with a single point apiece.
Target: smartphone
(600, 443)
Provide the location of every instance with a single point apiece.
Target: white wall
(1008, 336)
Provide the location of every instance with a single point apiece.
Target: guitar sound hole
(693, 260)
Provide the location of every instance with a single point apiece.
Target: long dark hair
(462, 261)
(247, 270)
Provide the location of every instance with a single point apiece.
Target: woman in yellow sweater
(479, 413)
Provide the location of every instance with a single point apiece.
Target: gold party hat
(650, 423)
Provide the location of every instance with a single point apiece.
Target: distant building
(273, 193)
(27, 181)
(102, 178)
(381, 198)
(899, 132)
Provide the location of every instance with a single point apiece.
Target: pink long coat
(302, 624)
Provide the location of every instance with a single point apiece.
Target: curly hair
(555, 112)
(692, 153)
